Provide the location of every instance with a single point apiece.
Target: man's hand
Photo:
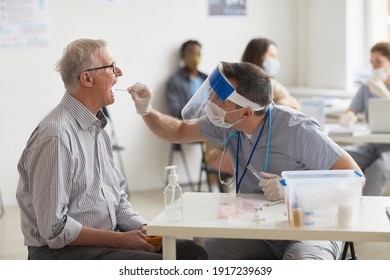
(135, 240)
(271, 186)
(378, 88)
(142, 228)
(142, 97)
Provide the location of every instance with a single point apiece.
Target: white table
(359, 137)
(201, 220)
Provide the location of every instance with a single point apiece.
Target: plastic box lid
(315, 175)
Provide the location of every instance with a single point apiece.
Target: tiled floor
(148, 204)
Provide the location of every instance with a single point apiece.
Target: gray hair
(252, 82)
(78, 56)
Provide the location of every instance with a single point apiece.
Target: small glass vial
(258, 216)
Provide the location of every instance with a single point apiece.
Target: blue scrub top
(359, 103)
(297, 143)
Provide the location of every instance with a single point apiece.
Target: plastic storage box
(323, 197)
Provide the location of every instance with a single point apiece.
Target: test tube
(254, 172)
(296, 217)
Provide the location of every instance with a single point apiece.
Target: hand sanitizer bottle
(173, 197)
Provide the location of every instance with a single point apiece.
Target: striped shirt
(67, 179)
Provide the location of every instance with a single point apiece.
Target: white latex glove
(378, 88)
(348, 119)
(142, 97)
(270, 184)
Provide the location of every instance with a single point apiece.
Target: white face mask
(380, 74)
(216, 115)
(271, 66)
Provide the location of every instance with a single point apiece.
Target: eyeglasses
(113, 66)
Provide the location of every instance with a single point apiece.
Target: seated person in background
(182, 85)
(235, 109)
(72, 198)
(264, 53)
(373, 159)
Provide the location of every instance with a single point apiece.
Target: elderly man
(72, 198)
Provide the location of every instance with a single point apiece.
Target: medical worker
(180, 87)
(234, 108)
(374, 159)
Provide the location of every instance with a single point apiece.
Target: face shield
(217, 89)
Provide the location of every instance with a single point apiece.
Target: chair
(210, 171)
(204, 168)
(178, 148)
(352, 256)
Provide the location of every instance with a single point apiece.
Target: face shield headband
(218, 84)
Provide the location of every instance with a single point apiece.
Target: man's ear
(248, 113)
(86, 79)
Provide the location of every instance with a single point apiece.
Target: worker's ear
(86, 78)
(248, 113)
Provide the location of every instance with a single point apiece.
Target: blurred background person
(373, 159)
(181, 86)
(264, 53)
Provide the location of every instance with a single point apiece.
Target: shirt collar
(81, 114)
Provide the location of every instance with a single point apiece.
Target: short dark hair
(255, 51)
(186, 44)
(383, 48)
(252, 81)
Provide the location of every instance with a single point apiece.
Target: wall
(144, 38)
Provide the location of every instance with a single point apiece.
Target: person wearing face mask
(373, 159)
(234, 108)
(181, 86)
(264, 53)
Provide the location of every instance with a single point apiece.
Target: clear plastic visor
(215, 88)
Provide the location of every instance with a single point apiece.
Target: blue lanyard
(238, 180)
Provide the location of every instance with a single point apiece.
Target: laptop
(379, 115)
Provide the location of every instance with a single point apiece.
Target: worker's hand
(134, 240)
(270, 184)
(142, 97)
(348, 119)
(378, 88)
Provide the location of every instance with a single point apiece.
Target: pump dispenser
(173, 197)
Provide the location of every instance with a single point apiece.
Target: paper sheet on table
(339, 130)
